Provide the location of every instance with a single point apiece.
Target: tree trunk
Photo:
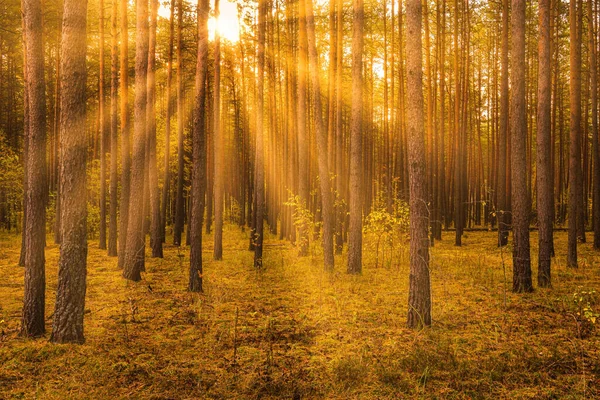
(125, 139)
(321, 136)
(103, 132)
(419, 298)
(134, 253)
(70, 292)
(521, 203)
(259, 178)
(595, 140)
(218, 144)
(155, 234)
(35, 228)
(303, 148)
(112, 228)
(199, 152)
(179, 204)
(544, 151)
(575, 191)
(501, 188)
(355, 192)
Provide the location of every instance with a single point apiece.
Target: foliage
(304, 219)
(11, 184)
(586, 317)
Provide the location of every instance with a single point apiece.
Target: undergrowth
(295, 331)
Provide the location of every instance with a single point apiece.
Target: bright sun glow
(228, 25)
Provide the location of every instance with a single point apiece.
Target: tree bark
(521, 203)
(179, 203)
(134, 252)
(502, 210)
(355, 192)
(114, 65)
(125, 137)
(70, 292)
(103, 131)
(259, 177)
(33, 323)
(219, 171)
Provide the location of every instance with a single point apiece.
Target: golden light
(227, 23)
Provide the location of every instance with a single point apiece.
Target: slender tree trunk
(167, 175)
(321, 136)
(179, 204)
(303, 138)
(125, 138)
(355, 192)
(259, 178)
(199, 152)
(501, 188)
(521, 203)
(103, 133)
(112, 229)
(595, 140)
(33, 323)
(544, 155)
(339, 134)
(155, 234)
(419, 298)
(134, 253)
(574, 136)
(70, 292)
(218, 144)
(26, 134)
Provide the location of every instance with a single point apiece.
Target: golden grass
(293, 329)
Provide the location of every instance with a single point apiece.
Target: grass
(294, 331)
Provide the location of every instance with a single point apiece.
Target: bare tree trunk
(37, 188)
(501, 189)
(155, 235)
(259, 177)
(103, 133)
(355, 192)
(521, 203)
(544, 149)
(125, 138)
(179, 203)
(167, 175)
(199, 152)
(134, 253)
(339, 134)
(219, 172)
(25, 144)
(321, 136)
(575, 136)
(70, 292)
(112, 228)
(419, 298)
(595, 140)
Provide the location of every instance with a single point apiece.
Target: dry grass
(294, 330)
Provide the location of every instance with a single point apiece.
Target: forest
(264, 199)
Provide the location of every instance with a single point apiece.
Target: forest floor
(295, 331)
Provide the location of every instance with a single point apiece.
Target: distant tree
(419, 300)
(501, 189)
(103, 129)
(33, 322)
(134, 253)
(355, 189)
(70, 292)
(199, 152)
(544, 149)
(521, 203)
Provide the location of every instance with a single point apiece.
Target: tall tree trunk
(339, 134)
(37, 188)
(521, 203)
(167, 175)
(155, 235)
(134, 253)
(544, 152)
(575, 191)
(303, 148)
(419, 298)
(259, 178)
(103, 132)
(112, 228)
(25, 144)
(595, 139)
(218, 144)
(321, 136)
(179, 203)
(199, 152)
(355, 192)
(70, 292)
(501, 188)
(125, 137)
